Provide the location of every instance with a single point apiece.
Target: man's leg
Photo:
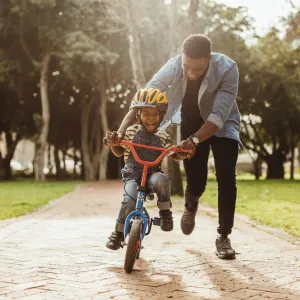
(160, 184)
(128, 205)
(196, 176)
(225, 154)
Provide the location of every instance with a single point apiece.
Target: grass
(272, 202)
(21, 197)
(275, 203)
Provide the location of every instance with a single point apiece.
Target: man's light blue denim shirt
(216, 97)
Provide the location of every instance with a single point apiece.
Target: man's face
(194, 67)
(150, 118)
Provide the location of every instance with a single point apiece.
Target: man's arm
(222, 106)
(129, 120)
(161, 80)
(225, 97)
(206, 131)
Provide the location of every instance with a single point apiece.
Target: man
(202, 87)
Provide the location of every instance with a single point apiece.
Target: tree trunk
(5, 169)
(2, 169)
(11, 144)
(134, 45)
(173, 167)
(292, 171)
(75, 164)
(275, 163)
(49, 158)
(57, 162)
(174, 43)
(194, 5)
(64, 163)
(82, 164)
(257, 168)
(88, 169)
(104, 154)
(43, 137)
(105, 150)
(90, 143)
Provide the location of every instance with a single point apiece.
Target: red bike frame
(148, 164)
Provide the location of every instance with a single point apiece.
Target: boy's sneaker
(115, 240)
(224, 249)
(166, 220)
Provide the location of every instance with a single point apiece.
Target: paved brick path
(59, 253)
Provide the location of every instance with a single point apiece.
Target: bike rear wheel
(133, 245)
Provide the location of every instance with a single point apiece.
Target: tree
(268, 101)
(16, 91)
(174, 172)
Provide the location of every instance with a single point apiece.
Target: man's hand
(114, 138)
(187, 145)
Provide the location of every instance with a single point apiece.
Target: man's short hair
(197, 46)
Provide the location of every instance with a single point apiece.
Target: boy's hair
(197, 46)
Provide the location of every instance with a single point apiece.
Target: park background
(69, 69)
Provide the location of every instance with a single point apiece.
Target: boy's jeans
(158, 183)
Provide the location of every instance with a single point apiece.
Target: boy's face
(150, 118)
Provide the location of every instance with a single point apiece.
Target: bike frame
(141, 196)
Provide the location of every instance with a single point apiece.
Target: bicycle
(138, 223)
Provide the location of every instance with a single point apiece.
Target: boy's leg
(128, 205)
(196, 176)
(160, 184)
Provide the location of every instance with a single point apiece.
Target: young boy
(152, 105)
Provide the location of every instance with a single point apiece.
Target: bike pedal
(156, 221)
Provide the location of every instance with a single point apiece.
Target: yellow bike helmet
(151, 98)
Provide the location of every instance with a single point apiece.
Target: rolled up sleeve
(225, 97)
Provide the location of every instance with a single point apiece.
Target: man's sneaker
(115, 240)
(166, 220)
(188, 221)
(224, 249)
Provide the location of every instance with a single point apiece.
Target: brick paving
(59, 252)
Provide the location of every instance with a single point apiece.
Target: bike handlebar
(149, 163)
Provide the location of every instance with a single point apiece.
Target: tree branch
(259, 141)
(35, 63)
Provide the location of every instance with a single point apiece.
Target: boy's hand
(113, 138)
(187, 145)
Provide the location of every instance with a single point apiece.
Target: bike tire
(133, 245)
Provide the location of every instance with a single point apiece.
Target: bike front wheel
(133, 245)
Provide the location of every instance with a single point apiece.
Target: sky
(266, 13)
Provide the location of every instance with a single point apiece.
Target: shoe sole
(229, 257)
(167, 229)
(112, 248)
